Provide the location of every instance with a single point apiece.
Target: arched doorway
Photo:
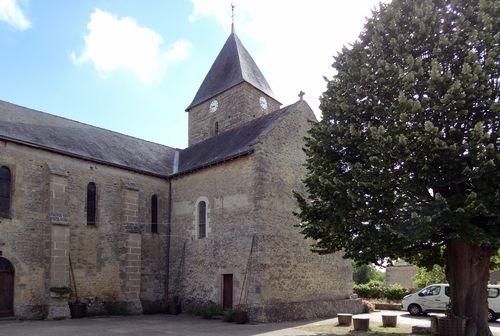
(6, 288)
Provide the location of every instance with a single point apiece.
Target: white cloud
(296, 39)
(11, 13)
(178, 51)
(114, 43)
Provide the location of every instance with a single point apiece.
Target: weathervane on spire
(232, 18)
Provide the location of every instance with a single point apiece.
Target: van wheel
(414, 309)
(492, 317)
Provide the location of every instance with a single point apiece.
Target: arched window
(202, 219)
(154, 214)
(91, 203)
(216, 128)
(5, 191)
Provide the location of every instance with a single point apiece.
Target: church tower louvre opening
(233, 93)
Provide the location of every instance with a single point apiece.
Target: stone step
(8, 319)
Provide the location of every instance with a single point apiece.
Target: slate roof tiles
(69, 137)
(232, 66)
(42, 130)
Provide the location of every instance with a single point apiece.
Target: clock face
(214, 105)
(263, 103)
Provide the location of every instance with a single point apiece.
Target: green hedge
(376, 290)
(396, 292)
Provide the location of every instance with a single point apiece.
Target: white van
(435, 298)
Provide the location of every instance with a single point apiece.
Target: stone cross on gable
(301, 95)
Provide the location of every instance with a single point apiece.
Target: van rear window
(493, 292)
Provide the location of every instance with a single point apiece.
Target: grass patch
(376, 329)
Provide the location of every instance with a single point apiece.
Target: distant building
(138, 223)
(400, 273)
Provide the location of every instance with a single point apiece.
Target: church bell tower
(233, 93)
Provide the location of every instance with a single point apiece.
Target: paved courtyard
(181, 325)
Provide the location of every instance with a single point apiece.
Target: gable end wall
(298, 283)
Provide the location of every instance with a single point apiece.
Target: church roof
(232, 66)
(229, 145)
(68, 137)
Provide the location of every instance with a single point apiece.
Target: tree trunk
(468, 272)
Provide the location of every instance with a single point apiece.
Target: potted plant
(451, 325)
(77, 309)
(174, 306)
(240, 316)
(60, 292)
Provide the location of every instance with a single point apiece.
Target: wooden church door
(227, 291)
(6, 288)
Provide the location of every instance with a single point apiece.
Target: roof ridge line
(236, 38)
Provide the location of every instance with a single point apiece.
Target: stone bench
(345, 319)
(389, 321)
(361, 323)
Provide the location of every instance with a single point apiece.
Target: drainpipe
(167, 254)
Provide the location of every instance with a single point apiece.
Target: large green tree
(363, 274)
(405, 162)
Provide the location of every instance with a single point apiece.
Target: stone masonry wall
(196, 273)
(293, 280)
(98, 252)
(249, 200)
(401, 275)
(237, 106)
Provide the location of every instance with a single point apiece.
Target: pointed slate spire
(232, 66)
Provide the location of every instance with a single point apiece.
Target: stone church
(133, 224)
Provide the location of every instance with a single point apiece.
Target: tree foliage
(405, 162)
(363, 274)
(406, 156)
(426, 277)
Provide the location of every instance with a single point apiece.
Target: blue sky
(133, 66)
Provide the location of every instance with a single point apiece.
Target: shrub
(115, 309)
(368, 307)
(373, 289)
(362, 290)
(396, 292)
(228, 316)
(210, 310)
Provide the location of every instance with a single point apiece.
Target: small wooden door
(227, 291)
(6, 288)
